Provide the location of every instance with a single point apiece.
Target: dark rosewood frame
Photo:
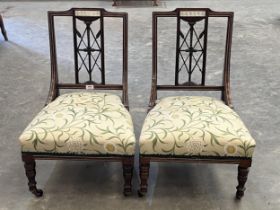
(3, 28)
(243, 163)
(55, 86)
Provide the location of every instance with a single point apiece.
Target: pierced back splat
(89, 45)
(191, 46)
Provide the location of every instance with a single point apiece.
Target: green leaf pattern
(81, 123)
(195, 126)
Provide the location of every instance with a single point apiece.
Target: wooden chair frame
(2, 26)
(193, 15)
(96, 13)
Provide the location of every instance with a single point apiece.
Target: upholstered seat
(81, 123)
(195, 126)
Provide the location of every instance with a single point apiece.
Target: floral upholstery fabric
(81, 123)
(195, 126)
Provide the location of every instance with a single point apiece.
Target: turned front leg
(29, 165)
(243, 170)
(127, 174)
(144, 175)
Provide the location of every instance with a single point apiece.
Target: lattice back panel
(89, 47)
(191, 47)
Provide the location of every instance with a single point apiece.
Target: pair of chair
(93, 125)
(2, 26)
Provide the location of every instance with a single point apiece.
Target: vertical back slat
(85, 41)
(188, 45)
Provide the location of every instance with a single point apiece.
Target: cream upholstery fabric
(81, 123)
(195, 126)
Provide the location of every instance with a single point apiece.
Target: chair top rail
(71, 12)
(210, 13)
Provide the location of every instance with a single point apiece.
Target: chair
(3, 28)
(194, 128)
(84, 125)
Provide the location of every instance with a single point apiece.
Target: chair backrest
(191, 51)
(88, 50)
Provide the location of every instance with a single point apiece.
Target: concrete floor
(24, 79)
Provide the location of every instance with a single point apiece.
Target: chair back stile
(188, 43)
(89, 50)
